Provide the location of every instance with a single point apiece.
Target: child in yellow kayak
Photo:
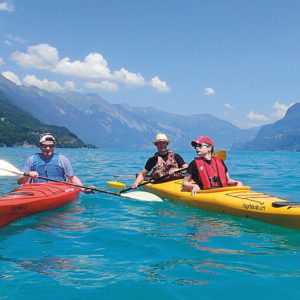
(206, 171)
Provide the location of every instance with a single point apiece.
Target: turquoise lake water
(107, 247)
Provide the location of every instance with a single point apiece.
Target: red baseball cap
(201, 140)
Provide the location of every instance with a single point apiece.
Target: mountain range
(283, 135)
(26, 133)
(96, 121)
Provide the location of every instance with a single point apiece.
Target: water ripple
(108, 247)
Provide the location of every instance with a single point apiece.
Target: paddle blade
(7, 169)
(124, 176)
(142, 196)
(116, 185)
(221, 154)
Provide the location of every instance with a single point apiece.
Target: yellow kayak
(235, 201)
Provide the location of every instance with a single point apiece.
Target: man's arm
(27, 169)
(140, 178)
(232, 182)
(187, 184)
(23, 179)
(180, 161)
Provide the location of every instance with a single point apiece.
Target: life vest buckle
(213, 179)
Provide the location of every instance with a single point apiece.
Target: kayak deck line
(235, 201)
(251, 196)
(46, 189)
(21, 193)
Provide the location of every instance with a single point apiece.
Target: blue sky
(237, 60)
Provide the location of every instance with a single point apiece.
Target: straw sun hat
(161, 137)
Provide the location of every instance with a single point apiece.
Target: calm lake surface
(107, 247)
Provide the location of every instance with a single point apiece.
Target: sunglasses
(46, 146)
(199, 145)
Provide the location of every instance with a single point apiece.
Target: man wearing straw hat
(164, 162)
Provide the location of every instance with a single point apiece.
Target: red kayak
(32, 198)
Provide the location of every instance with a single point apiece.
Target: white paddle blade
(7, 169)
(142, 196)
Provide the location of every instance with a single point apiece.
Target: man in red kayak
(164, 162)
(49, 164)
(206, 171)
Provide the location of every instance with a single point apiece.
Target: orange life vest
(212, 175)
(162, 167)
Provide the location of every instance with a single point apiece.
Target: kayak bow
(32, 198)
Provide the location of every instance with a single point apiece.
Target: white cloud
(12, 77)
(130, 79)
(70, 86)
(280, 110)
(159, 85)
(208, 91)
(11, 40)
(45, 84)
(103, 85)
(229, 106)
(260, 119)
(257, 117)
(94, 66)
(45, 57)
(6, 6)
(41, 56)
(1, 62)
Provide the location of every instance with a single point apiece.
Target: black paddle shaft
(151, 180)
(77, 185)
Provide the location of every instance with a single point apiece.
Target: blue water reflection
(107, 247)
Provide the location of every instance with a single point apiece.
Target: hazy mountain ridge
(19, 128)
(136, 126)
(99, 122)
(283, 135)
